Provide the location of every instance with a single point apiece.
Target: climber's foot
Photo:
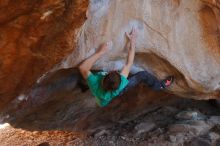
(167, 82)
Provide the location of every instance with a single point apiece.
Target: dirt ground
(10, 136)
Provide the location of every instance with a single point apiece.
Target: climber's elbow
(81, 68)
(84, 71)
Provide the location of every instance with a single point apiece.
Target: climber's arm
(126, 69)
(86, 65)
(131, 53)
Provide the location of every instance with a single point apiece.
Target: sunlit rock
(176, 37)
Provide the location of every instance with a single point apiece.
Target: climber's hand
(131, 52)
(105, 47)
(133, 35)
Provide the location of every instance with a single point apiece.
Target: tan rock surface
(179, 37)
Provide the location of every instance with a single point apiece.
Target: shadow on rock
(58, 102)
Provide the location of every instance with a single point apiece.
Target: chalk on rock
(110, 45)
(118, 65)
(91, 51)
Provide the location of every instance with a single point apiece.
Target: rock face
(34, 36)
(175, 37)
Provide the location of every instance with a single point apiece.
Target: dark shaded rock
(172, 138)
(216, 129)
(199, 142)
(198, 127)
(145, 127)
(217, 142)
(100, 133)
(59, 99)
(44, 144)
(215, 119)
(213, 136)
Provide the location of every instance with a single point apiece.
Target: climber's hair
(111, 81)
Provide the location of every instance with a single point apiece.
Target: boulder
(44, 41)
(34, 36)
(176, 37)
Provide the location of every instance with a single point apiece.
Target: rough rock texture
(176, 37)
(34, 36)
(179, 37)
(191, 132)
(57, 103)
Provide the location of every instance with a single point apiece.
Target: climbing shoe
(167, 82)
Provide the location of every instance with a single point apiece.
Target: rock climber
(105, 86)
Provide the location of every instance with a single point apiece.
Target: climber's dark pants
(143, 77)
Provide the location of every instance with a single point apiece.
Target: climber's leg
(145, 77)
(149, 79)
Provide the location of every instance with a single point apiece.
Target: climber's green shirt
(103, 98)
